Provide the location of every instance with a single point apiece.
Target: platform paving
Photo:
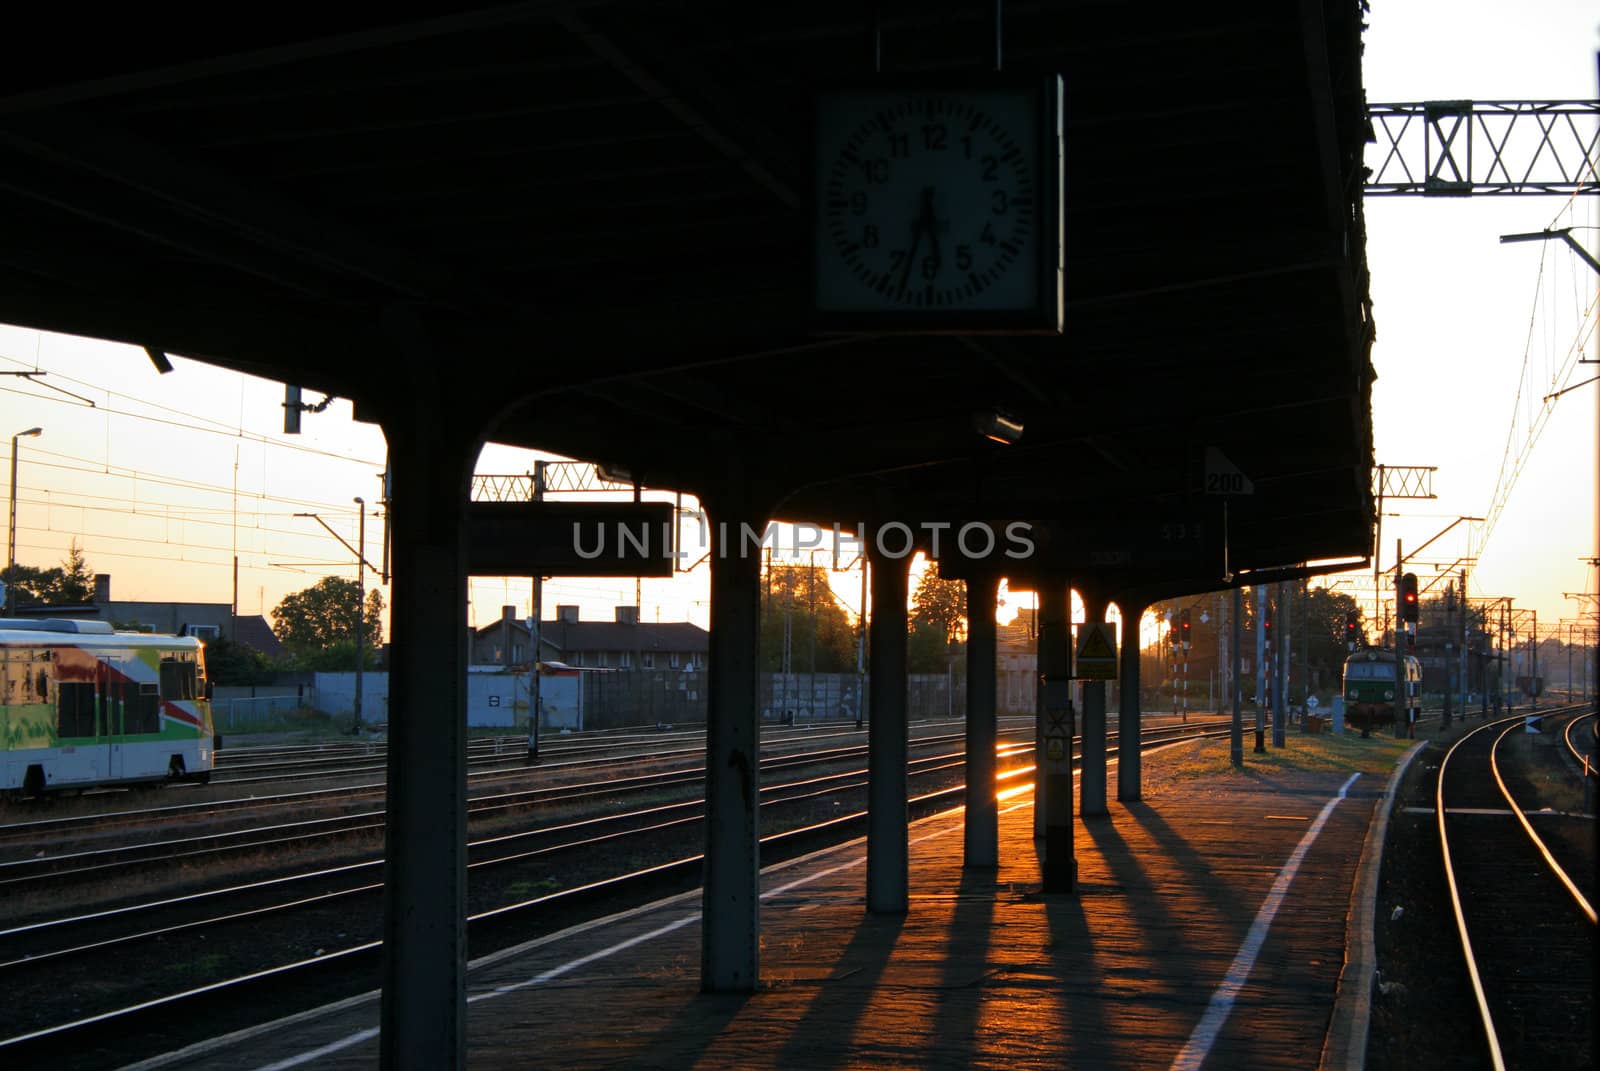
(1208, 929)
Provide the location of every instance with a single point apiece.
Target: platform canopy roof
(586, 222)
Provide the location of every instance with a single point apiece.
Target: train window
(75, 709)
(141, 710)
(177, 679)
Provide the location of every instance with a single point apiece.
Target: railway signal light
(1352, 629)
(1183, 626)
(1408, 598)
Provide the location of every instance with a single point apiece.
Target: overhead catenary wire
(1524, 434)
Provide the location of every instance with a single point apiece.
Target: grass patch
(303, 721)
(1308, 753)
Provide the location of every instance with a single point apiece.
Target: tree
(321, 617)
(228, 662)
(941, 604)
(1323, 614)
(800, 594)
(69, 584)
(937, 623)
(77, 579)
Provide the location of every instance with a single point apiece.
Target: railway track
(1522, 909)
(34, 854)
(1579, 738)
(803, 814)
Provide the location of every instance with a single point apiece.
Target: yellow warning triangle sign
(1096, 642)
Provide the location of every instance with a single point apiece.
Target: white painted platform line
(356, 1038)
(1205, 1033)
(327, 1050)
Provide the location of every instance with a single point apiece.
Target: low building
(206, 620)
(626, 642)
(508, 642)
(622, 643)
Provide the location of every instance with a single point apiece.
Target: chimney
(567, 615)
(627, 615)
(102, 587)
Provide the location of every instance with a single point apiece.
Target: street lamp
(11, 531)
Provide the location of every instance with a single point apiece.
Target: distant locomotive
(1369, 686)
(82, 706)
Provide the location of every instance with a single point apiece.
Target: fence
(651, 697)
(246, 709)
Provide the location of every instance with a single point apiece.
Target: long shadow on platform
(822, 1037)
(1080, 1012)
(961, 989)
(673, 1046)
(1161, 934)
(1196, 869)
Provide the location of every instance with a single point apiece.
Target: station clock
(939, 209)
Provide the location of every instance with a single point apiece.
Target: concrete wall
(648, 697)
(335, 694)
(493, 699)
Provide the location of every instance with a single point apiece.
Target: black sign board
(570, 539)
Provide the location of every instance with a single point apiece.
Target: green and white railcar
(82, 705)
(1369, 699)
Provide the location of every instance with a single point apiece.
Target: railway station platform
(1210, 927)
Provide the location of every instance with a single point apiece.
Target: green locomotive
(1369, 686)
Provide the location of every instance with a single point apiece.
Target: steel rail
(258, 837)
(1578, 754)
(16, 830)
(1491, 1036)
(1538, 841)
(18, 872)
(62, 1037)
(922, 765)
(1484, 1015)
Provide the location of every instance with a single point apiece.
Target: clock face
(934, 201)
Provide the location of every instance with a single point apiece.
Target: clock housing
(939, 208)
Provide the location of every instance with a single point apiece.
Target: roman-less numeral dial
(931, 201)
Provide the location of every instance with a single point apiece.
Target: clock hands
(926, 221)
(931, 224)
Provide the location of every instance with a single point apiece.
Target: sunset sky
(165, 478)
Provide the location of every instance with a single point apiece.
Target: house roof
(611, 636)
(253, 631)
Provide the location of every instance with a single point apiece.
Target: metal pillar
(1449, 655)
(535, 637)
(1404, 725)
(730, 910)
(1052, 799)
(423, 1016)
(1092, 760)
(1261, 669)
(1236, 729)
(1280, 666)
(982, 844)
(888, 848)
(1129, 758)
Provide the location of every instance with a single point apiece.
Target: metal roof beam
(220, 203)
